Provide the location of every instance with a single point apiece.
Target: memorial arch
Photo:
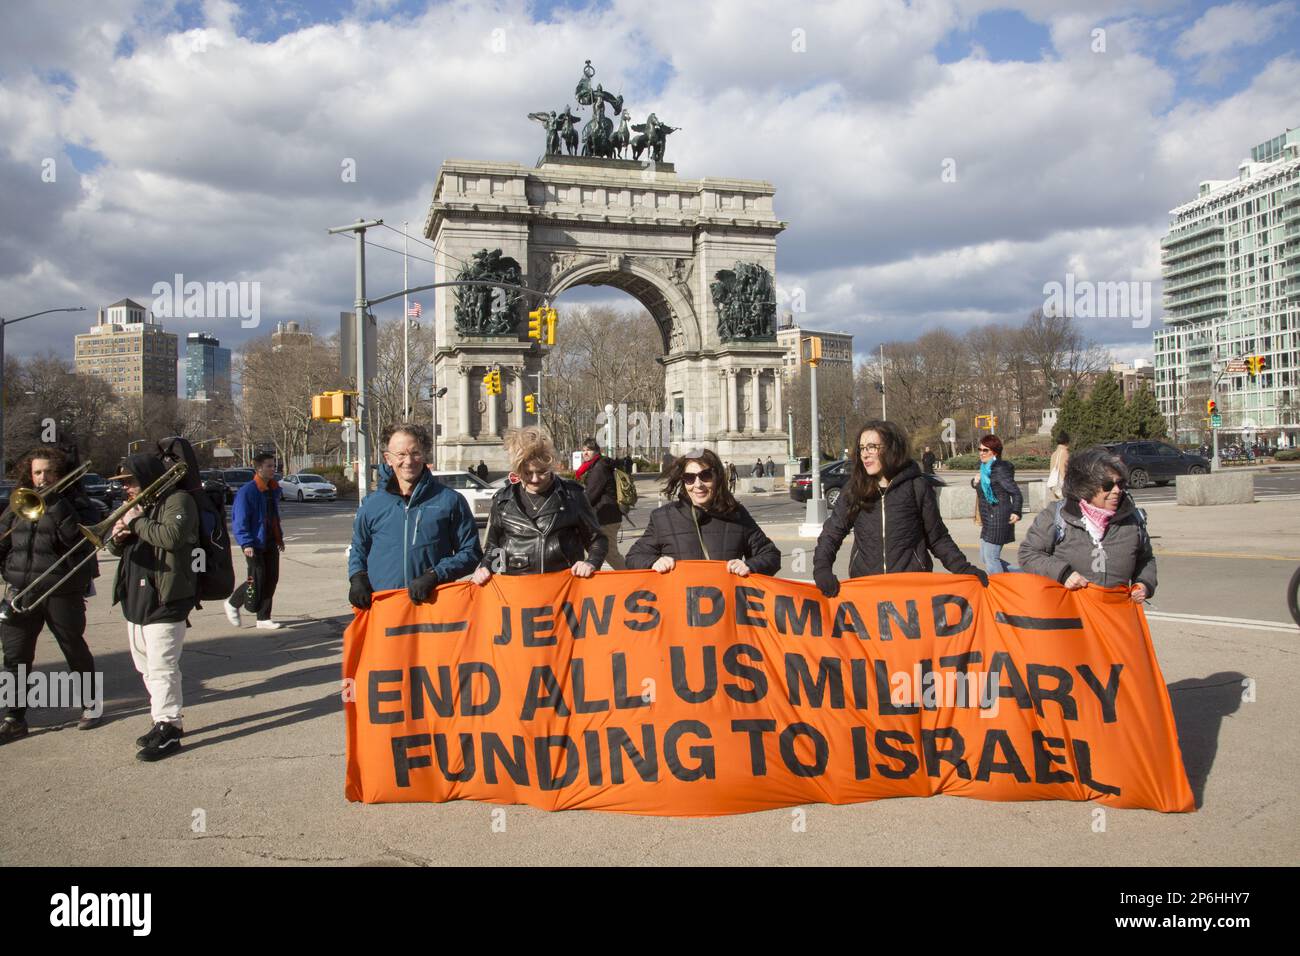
(700, 255)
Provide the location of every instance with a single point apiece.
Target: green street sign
(1216, 420)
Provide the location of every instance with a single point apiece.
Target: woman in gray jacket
(1096, 535)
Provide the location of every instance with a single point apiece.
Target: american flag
(414, 311)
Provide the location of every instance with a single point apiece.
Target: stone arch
(667, 303)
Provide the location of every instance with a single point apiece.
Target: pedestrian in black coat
(702, 521)
(1001, 504)
(893, 512)
(597, 476)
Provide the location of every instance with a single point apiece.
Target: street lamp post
(3, 323)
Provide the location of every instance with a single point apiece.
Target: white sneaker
(269, 625)
(232, 613)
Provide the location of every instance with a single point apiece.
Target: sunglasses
(705, 476)
(1111, 483)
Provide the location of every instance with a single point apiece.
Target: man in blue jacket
(412, 531)
(255, 526)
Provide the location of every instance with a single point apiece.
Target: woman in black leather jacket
(703, 522)
(539, 522)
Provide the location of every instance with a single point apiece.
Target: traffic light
(1211, 407)
(550, 326)
(1256, 364)
(530, 404)
(492, 381)
(535, 324)
(333, 406)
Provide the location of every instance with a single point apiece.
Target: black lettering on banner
(641, 602)
(543, 692)
(537, 621)
(929, 691)
(503, 636)
(466, 757)
(422, 688)
(695, 615)
(426, 627)
(644, 761)
(887, 616)
(1027, 623)
(622, 699)
(591, 741)
(849, 621)
(1060, 693)
(580, 703)
(732, 665)
(939, 607)
(858, 678)
(961, 662)
(861, 754)
(514, 761)
(467, 706)
(1044, 758)
(884, 743)
(955, 754)
(1107, 694)
(378, 697)
(886, 706)
(403, 762)
(546, 778)
(1083, 758)
(748, 604)
(786, 620)
(1000, 665)
(994, 740)
(704, 754)
(756, 728)
(829, 678)
(821, 750)
(709, 653)
(578, 622)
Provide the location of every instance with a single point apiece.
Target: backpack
(1058, 522)
(625, 490)
(217, 579)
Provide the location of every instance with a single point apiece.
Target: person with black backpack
(892, 510)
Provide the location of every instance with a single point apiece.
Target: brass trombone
(29, 503)
(97, 535)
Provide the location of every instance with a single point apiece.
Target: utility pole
(3, 323)
(883, 416)
(363, 428)
(406, 328)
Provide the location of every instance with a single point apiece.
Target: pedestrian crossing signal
(333, 406)
(530, 404)
(492, 381)
(550, 326)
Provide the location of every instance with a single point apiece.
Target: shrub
(1022, 462)
(1288, 454)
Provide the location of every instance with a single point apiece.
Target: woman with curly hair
(539, 521)
(703, 522)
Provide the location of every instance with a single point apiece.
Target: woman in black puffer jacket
(703, 522)
(539, 521)
(893, 512)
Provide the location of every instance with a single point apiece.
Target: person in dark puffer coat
(702, 521)
(1001, 504)
(893, 512)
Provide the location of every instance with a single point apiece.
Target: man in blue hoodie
(412, 531)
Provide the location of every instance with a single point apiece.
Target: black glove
(422, 588)
(982, 575)
(827, 583)
(360, 592)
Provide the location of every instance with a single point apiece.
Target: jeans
(991, 555)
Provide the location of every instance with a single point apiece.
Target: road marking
(1221, 621)
(1227, 554)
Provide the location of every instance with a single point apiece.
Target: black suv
(835, 474)
(1154, 462)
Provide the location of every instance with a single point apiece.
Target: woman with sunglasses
(1000, 502)
(1096, 535)
(539, 521)
(893, 512)
(703, 522)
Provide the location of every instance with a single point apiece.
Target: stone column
(756, 399)
(704, 399)
(517, 416)
(778, 413)
(464, 371)
(733, 400)
(722, 400)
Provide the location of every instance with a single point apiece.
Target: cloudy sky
(206, 138)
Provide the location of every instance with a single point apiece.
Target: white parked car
(477, 492)
(304, 487)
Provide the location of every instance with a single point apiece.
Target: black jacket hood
(146, 468)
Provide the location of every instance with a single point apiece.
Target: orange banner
(698, 693)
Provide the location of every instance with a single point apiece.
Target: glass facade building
(207, 368)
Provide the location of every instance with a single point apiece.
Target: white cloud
(1224, 29)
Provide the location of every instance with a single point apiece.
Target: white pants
(156, 650)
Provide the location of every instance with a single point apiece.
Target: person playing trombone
(28, 549)
(156, 585)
